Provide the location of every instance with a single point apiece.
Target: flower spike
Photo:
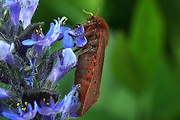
(30, 70)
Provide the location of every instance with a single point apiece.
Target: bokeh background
(141, 75)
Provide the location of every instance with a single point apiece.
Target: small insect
(38, 95)
(90, 62)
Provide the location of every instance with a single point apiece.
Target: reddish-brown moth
(90, 62)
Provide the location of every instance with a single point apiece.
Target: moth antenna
(98, 8)
(88, 12)
(91, 12)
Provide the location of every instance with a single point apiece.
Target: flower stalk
(29, 71)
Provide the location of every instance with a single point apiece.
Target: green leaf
(147, 33)
(137, 57)
(166, 105)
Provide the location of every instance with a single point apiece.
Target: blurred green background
(141, 75)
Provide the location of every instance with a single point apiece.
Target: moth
(90, 62)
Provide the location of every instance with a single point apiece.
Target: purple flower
(78, 35)
(21, 10)
(15, 7)
(51, 36)
(47, 109)
(67, 39)
(68, 35)
(4, 93)
(68, 106)
(5, 52)
(64, 63)
(27, 114)
(30, 71)
(57, 32)
(27, 11)
(37, 35)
